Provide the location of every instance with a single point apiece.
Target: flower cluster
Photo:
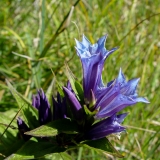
(96, 114)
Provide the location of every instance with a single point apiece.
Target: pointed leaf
(54, 128)
(60, 90)
(80, 92)
(5, 119)
(59, 156)
(103, 146)
(50, 91)
(71, 78)
(33, 149)
(89, 115)
(9, 141)
(30, 114)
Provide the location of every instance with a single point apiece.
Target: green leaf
(4, 119)
(30, 114)
(89, 115)
(88, 112)
(80, 92)
(60, 90)
(9, 72)
(33, 149)
(49, 92)
(9, 141)
(103, 146)
(54, 128)
(71, 78)
(58, 156)
(76, 86)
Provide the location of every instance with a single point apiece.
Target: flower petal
(111, 93)
(116, 105)
(141, 99)
(117, 95)
(36, 101)
(106, 127)
(130, 88)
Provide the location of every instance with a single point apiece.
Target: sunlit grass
(26, 27)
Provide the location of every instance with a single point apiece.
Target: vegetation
(37, 39)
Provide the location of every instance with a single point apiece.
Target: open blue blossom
(92, 58)
(117, 95)
(41, 103)
(111, 125)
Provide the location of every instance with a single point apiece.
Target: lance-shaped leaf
(102, 146)
(33, 149)
(9, 142)
(29, 113)
(54, 128)
(59, 156)
(71, 82)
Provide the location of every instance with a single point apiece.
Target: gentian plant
(80, 115)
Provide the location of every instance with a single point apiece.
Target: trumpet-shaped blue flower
(117, 95)
(92, 58)
(106, 127)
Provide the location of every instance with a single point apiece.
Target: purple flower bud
(74, 104)
(69, 86)
(41, 103)
(59, 108)
(111, 125)
(36, 101)
(22, 127)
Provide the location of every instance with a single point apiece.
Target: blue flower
(101, 102)
(116, 96)
(111, 125)
(92, 58)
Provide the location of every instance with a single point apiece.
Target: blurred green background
(37, 38)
